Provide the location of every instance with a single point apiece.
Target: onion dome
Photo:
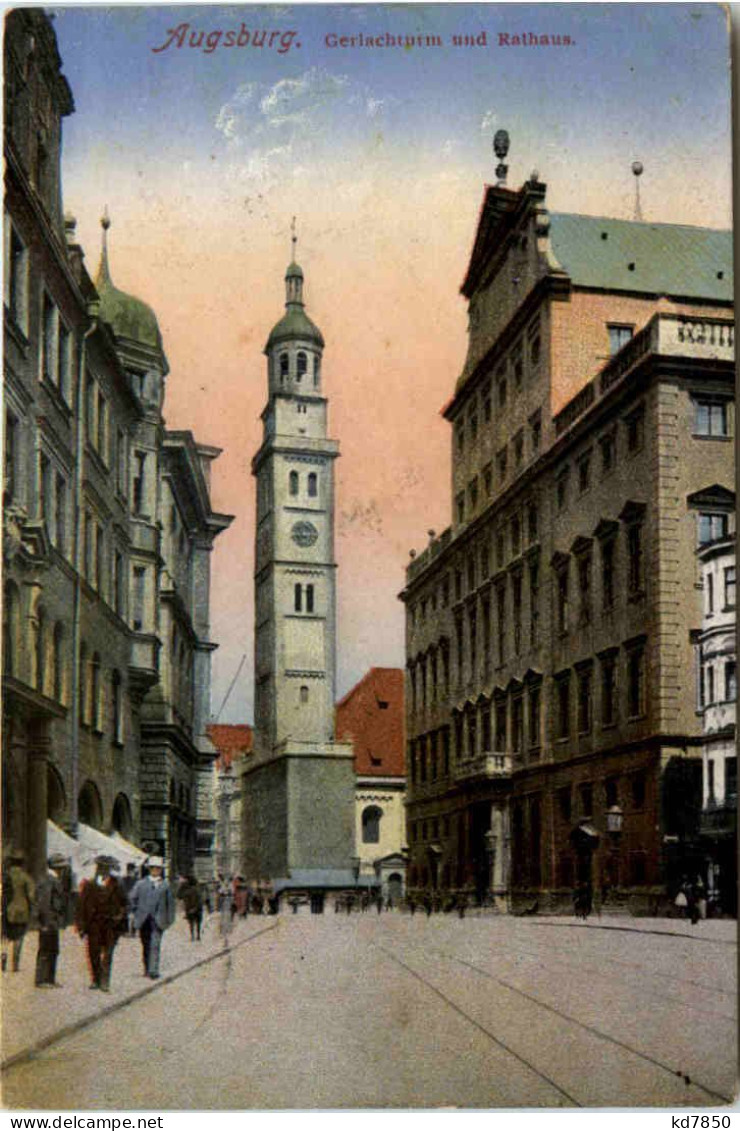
(127, 316)
(295, 323)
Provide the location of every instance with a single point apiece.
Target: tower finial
(501, 148)
(637, 169)
(293, 240)
(103, 275)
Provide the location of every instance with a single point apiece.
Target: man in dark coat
(52, 915)
(102, 917)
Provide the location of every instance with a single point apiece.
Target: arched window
(283, 367)
(117, 704)
(309, 598)
(57, 663)
(371, 824)
(122, 819)
(293, 478)
(313, 484)
(95, 720)
(302, 366)
(89, 806)
(304, 694)
(56, 801)
(298, 598)
(316, 372)
(11, 626)
(40, 649)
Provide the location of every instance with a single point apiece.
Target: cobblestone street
(393, 1010)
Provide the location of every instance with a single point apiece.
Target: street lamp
(614, 819)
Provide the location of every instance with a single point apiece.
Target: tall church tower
(298, 789)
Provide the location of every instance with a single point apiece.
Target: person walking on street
(19, 892)
(192, 902)
(102, 917)
(153, 905)
(52, 915)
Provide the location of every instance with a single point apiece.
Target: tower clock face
(304, 534)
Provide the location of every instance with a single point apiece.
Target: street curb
(85, 1022)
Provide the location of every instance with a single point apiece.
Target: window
(607, 574)
(60, 523)
(516, 536)
(618, 337)
(10, 466)
(309, 598)
(535, 349)
(562, 489)
(284, 363)
(586, 795)
(534, 602)
(608, 690)
(301, 366)
(298, 598)
(316, 372)
(138, 597)
(472, 734)
(517, 724)
(584, 472)
(501, 465)
(502, 391)
(95, 718)
(562, 599)
(501, 725)
(460, 503)
(535, 426)
(99, 554)
(16, 277)
(729, 587)
(584, 701)
(488, 479)
(313, 485)
(64, 362)
(473, 424)
(608, 447)
(486, 730)
(518, 366)
(519, 448)
(710, 418)
(121, 464)
(730, 681)
(712, 527)
(46, 488)
(293, 482)
(118, 583)
(635, 425)
(40, 650)
(471, 574)
(565, 803)
(117, 704)
(710, 782)
(710, 684)
(501, 622)
(11, 628)
(82, 686)
(611, 792)
(304, 694)
(635, 683)
(487, 406)
(48, 339)
(90, 405)
(584, 588)
(639, 790)
(634, 553)
(458, 584)
(532, 522)
(562, 700)
(473, 494)
(730, 779)
(500, 549)
(710, 593)
(534, 716)
(139, 482)
(473, 634)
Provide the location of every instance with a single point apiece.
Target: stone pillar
(39, 742)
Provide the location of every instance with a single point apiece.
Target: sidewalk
(711, 930)
(32, 1016)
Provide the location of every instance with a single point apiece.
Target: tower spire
(103, 275)
(294, 275)
(637, 168)
(293, 240)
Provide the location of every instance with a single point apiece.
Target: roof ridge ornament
(637, 169)
(501, 148)
(104, 270)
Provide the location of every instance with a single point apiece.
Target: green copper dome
(127, 316)
(295, 323)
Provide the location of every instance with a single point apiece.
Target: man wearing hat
(19, 891)
(101, 919)
(52, 914)
(153, 905)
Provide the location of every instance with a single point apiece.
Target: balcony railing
(484, 767)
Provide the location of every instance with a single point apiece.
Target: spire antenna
(637, 169)
(501, 149)
(103, 275)
(293, 239)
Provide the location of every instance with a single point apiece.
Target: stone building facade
(716, 702)
(550, 737)
(371, 717)
(85, 467)
(234, 744)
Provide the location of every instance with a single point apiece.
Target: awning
(90, 843)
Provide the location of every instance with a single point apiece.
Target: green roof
(295, 323)
(666, 259)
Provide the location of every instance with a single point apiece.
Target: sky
(204, 153)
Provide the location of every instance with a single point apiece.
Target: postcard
(369, 663)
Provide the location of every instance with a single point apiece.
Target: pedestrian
(462, 904)
(681, 902)
(18, 896)
(692, 904)
(411, 904)
(52, 917)
(701, 897)
(153, 905)
(428, 903)
(102, 917)
(379, 902)
(192, 901)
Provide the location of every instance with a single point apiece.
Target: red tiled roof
(371, 716)
(232, 740)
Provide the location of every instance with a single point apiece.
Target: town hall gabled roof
(232, 740)
(371, 717)
(675, 260)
